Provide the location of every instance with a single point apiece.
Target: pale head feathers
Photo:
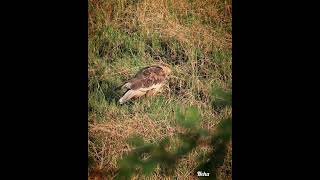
(166, 67)
(166, 70)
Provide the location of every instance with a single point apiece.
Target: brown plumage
(147, 81)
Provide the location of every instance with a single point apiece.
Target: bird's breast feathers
(154, 86)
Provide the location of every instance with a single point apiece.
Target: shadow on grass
(169, 50)
(111, 93)
(145, 157)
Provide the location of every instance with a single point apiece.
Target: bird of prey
(147, 81)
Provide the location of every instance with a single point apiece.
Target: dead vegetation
(193, 36)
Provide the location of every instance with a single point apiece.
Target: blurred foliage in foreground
(145, 158)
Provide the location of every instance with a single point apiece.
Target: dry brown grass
(155, 17)
(195, 24)
(114, 134)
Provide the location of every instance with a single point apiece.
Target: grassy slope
(193, 36)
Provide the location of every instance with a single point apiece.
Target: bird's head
(166, 68)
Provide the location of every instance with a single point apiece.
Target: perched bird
(147, 81)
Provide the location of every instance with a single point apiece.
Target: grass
(193, 36)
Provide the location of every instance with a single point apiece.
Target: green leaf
(148, 167)
(179, 115)
(124, 174)
(221, 98)
(192, 114)
(225, 125)
(135, 141)
(164, 142)
(189, 119)
(225, 129)
(203, 132)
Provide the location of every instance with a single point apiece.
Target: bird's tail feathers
(127, 96)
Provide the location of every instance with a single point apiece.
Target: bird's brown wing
(147, 77)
